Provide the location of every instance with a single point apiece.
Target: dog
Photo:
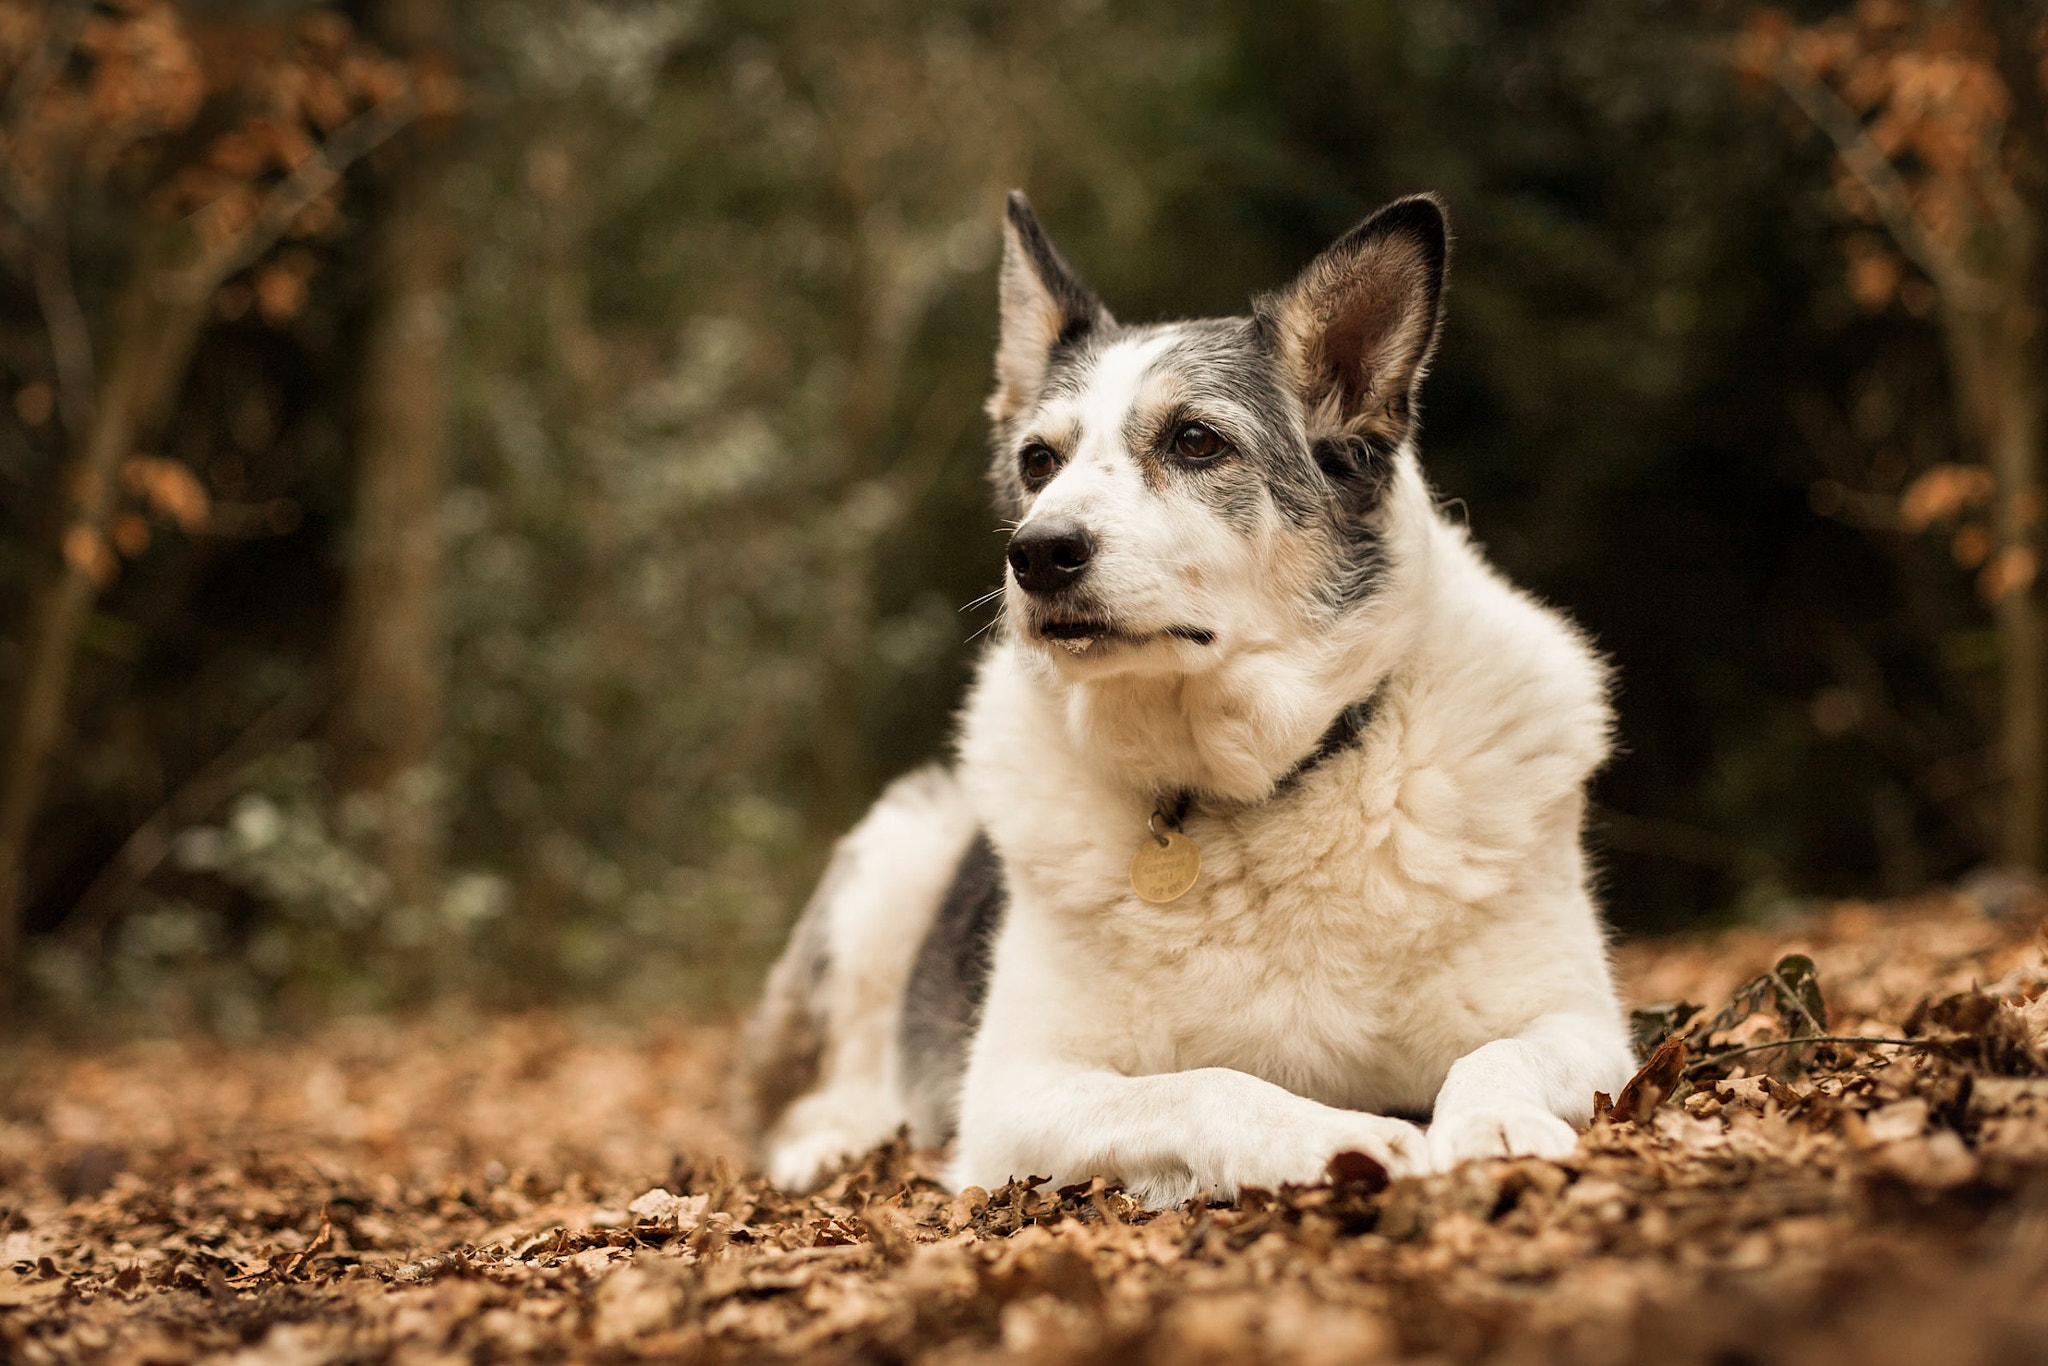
(1262, 843)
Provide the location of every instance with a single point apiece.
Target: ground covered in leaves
(532, 1188)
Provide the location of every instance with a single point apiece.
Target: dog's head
(1185, 491)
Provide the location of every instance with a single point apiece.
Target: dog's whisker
(989, 596)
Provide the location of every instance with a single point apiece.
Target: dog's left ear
(1044, 305)
(1357, 328)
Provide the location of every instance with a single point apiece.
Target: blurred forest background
(488, 487)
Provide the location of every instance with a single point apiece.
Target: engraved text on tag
(1163, 872)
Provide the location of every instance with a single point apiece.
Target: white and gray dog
(1263, 839)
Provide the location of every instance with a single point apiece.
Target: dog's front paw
(1303, 1156)
(1402, 1148)
(802, 1163)
(1518, 1131)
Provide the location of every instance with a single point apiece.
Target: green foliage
(723, 330)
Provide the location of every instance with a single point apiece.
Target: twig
(64, 321)
(28, 85)
(1710, 1059)
(33, 77)
(1750, 997)
(1874, 170)
(427, 1268)
(49, 253)
(1786, 993)
(147, 848)
(313, 177)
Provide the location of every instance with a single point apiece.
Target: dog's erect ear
(1356, 329)
(1044, 306)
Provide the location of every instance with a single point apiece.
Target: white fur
(886, 877)
(1228, 719)
(1408, 930)
(1413, 932)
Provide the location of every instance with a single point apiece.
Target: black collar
(1344, 732)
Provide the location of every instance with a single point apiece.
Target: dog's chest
(1302, 954)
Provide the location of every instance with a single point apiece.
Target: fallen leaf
(1353, 1168)
(1653, 1084)
(1901, 1119)
(17, 1290)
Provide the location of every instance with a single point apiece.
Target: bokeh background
(488, 488)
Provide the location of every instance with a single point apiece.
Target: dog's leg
(816, 1081)
(1167, 1137)
(1528, 1095)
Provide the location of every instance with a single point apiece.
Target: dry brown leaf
(459, 1170)
(1653, 1084)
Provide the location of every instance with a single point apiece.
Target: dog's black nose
(1050, 556)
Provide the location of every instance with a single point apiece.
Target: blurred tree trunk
(2015, 423)
(387, 719)
(1974, 227)
(1997, 362)
(156, 323)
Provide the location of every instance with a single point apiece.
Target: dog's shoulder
(1496, 672)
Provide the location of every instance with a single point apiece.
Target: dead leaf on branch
(2010, 571)
(170, 488)
(86, 551)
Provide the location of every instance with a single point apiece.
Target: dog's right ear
(1044, 306)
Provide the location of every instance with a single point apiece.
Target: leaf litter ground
(539, 1189)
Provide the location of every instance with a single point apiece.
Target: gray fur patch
(942, 1004)
(1216, 365)
(1223, 365)
(1067, 369)
(1349, 341)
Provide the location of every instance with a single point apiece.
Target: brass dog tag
(1163, 869)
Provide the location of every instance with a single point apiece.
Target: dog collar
(1168, 862)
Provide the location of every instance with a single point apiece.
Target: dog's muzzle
(1050, 557)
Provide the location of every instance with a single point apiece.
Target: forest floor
(540, 1189)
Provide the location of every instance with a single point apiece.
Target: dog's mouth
(1093, 635)
(1080, 635)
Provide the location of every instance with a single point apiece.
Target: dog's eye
(1198, 441)
(1037, 462)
